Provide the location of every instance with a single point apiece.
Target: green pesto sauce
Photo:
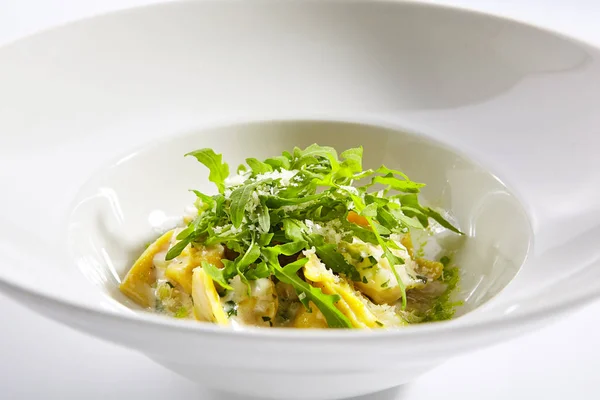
(443, 308)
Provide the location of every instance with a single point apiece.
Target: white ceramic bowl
(95, 116)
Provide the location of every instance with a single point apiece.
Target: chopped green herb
(443, 307)
(181, 312)
(158, 306)
(219, 171)
(230, 309)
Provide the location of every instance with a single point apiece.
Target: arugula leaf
(363, 174)
(244, 280)
(186, 232)
(351, 165)
(251, 255)
(239, 198)
(178, 248)
(291, 248)
(369, 211)
(219, 170)
(387, 219)
(229, 269)
(416, 213)
(258, 167)
(276, 202)
(207, 202)
(412, 201)
(264, 218)
(324, 302)
(377, 227)
(366, 235)
(441, 220)
(403, 218)
(397, 184)
(261, 270)
(333, 260)
(380, 201)
(294, 229)
(265, 239)
(312, 152)
(386, 171)
(279, 162)
(215, 274)
(353, 159)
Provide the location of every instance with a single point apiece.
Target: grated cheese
(284, 175)
(331, 231)
(236, 180)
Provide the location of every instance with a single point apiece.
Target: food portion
(307, 239)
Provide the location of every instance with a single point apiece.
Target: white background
(40, 359)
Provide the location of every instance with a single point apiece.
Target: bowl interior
(128, 203)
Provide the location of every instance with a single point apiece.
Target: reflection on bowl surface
(123, 207)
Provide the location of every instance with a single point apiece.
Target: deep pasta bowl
(498, 119)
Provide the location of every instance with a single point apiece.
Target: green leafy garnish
(281, 206)
(219, 171)
(239, 199)
(325, 302)
(215, 274)
(178, 248)
(443, 307)
(329, 255)
(258, 167)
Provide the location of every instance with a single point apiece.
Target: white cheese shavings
(253, 202)
(190, 212)
(284, 175)
(234, 231)
(331, 231)
(350, 189)
(236, 180)
(296, 207)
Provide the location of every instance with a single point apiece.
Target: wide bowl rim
(425, 330)
(420, 331)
